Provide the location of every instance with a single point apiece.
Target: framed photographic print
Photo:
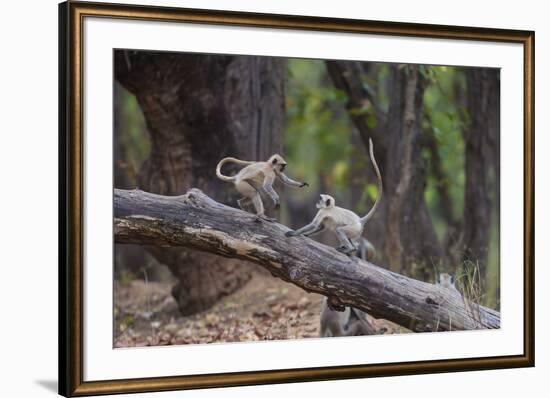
(251, 198)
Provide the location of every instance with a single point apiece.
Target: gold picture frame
(71, 16)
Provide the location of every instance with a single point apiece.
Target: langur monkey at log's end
(446, 281)
(256, 177)
(347, 225)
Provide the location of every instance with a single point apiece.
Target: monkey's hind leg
(347, 247)
(259, 206)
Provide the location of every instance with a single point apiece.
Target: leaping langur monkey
(347, 225)
(256, 177)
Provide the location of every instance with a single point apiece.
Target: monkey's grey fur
(256, 177)
(351, 321)
(347, 225)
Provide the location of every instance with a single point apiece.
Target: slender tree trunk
(411, 243)
(199, 109)
(454, 227)
(482, 157)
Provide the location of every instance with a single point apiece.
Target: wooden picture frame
(71, 141)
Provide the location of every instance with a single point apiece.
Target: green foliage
(125, 278)
(372, 191)
(382, 79)
(318, 134)
(132, 133)
(444, 118)
(126, 322)
(493, 265)
(469, 282)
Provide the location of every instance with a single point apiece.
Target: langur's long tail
(225, 160)
(377, 171)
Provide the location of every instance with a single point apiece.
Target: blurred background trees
(435, 131)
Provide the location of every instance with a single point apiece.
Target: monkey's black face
(277, 163)
(325, 201)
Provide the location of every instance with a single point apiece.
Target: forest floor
(266, 308)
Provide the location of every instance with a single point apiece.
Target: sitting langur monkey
(347, 225)
(351, 321)
(446, 281)
(256, 177)
(333, 323)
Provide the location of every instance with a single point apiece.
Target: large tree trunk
(195, 220)
(199, 109)
(482, 157)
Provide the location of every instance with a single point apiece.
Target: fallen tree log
(194, 220)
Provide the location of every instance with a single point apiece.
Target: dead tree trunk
(199, 109)
(196, 221)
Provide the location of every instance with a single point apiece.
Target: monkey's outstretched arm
(290, 182)
(317, 229)
(304, 230)
(308, 229)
